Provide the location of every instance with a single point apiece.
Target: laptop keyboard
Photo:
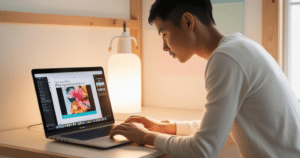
(90, 134)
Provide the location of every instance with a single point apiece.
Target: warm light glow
(124, 83)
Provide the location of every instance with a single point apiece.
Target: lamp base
(124, 116)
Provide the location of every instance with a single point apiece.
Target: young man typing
(249, 97)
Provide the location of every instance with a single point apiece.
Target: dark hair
(174, 9)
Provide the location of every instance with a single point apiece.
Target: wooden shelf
(52, 19)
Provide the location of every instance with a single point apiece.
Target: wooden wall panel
(272, 29)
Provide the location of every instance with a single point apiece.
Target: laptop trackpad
(119, 138)
(108, 142)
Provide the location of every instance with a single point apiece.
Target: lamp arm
(135, 41)
(109, 49)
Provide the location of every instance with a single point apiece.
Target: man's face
(177, 41)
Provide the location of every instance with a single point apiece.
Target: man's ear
(188, 20)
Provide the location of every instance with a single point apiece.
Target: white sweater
(249, 97)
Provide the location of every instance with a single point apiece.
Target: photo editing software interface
(73, 98)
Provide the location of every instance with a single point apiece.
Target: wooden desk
(32, 142)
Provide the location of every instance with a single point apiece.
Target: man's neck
(211, 39)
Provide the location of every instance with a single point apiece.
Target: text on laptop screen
(73, 98)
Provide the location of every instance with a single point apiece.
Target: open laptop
(75, 106)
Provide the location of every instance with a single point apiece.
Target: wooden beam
(136, 14)
(52, 19)
(272, 29)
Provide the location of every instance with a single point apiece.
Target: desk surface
(32, 142)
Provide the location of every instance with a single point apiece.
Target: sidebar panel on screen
(46, 102)
(103, 95)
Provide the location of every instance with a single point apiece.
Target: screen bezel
(78, 127)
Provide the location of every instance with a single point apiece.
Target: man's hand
(134, 132)
(154, 125)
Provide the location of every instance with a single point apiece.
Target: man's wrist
(149, 138)
(169, 128)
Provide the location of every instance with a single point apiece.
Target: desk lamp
(124, 76)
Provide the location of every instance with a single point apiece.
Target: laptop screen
(72, 97)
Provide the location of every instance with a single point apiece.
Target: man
(248, 96)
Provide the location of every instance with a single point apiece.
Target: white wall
(24, 47)
(253, 19)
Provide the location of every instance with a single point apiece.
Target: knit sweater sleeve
(226, 84)
(186, 128)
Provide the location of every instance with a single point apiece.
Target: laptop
(75, 106)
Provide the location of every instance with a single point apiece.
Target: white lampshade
(124, 78)
(124, 83)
